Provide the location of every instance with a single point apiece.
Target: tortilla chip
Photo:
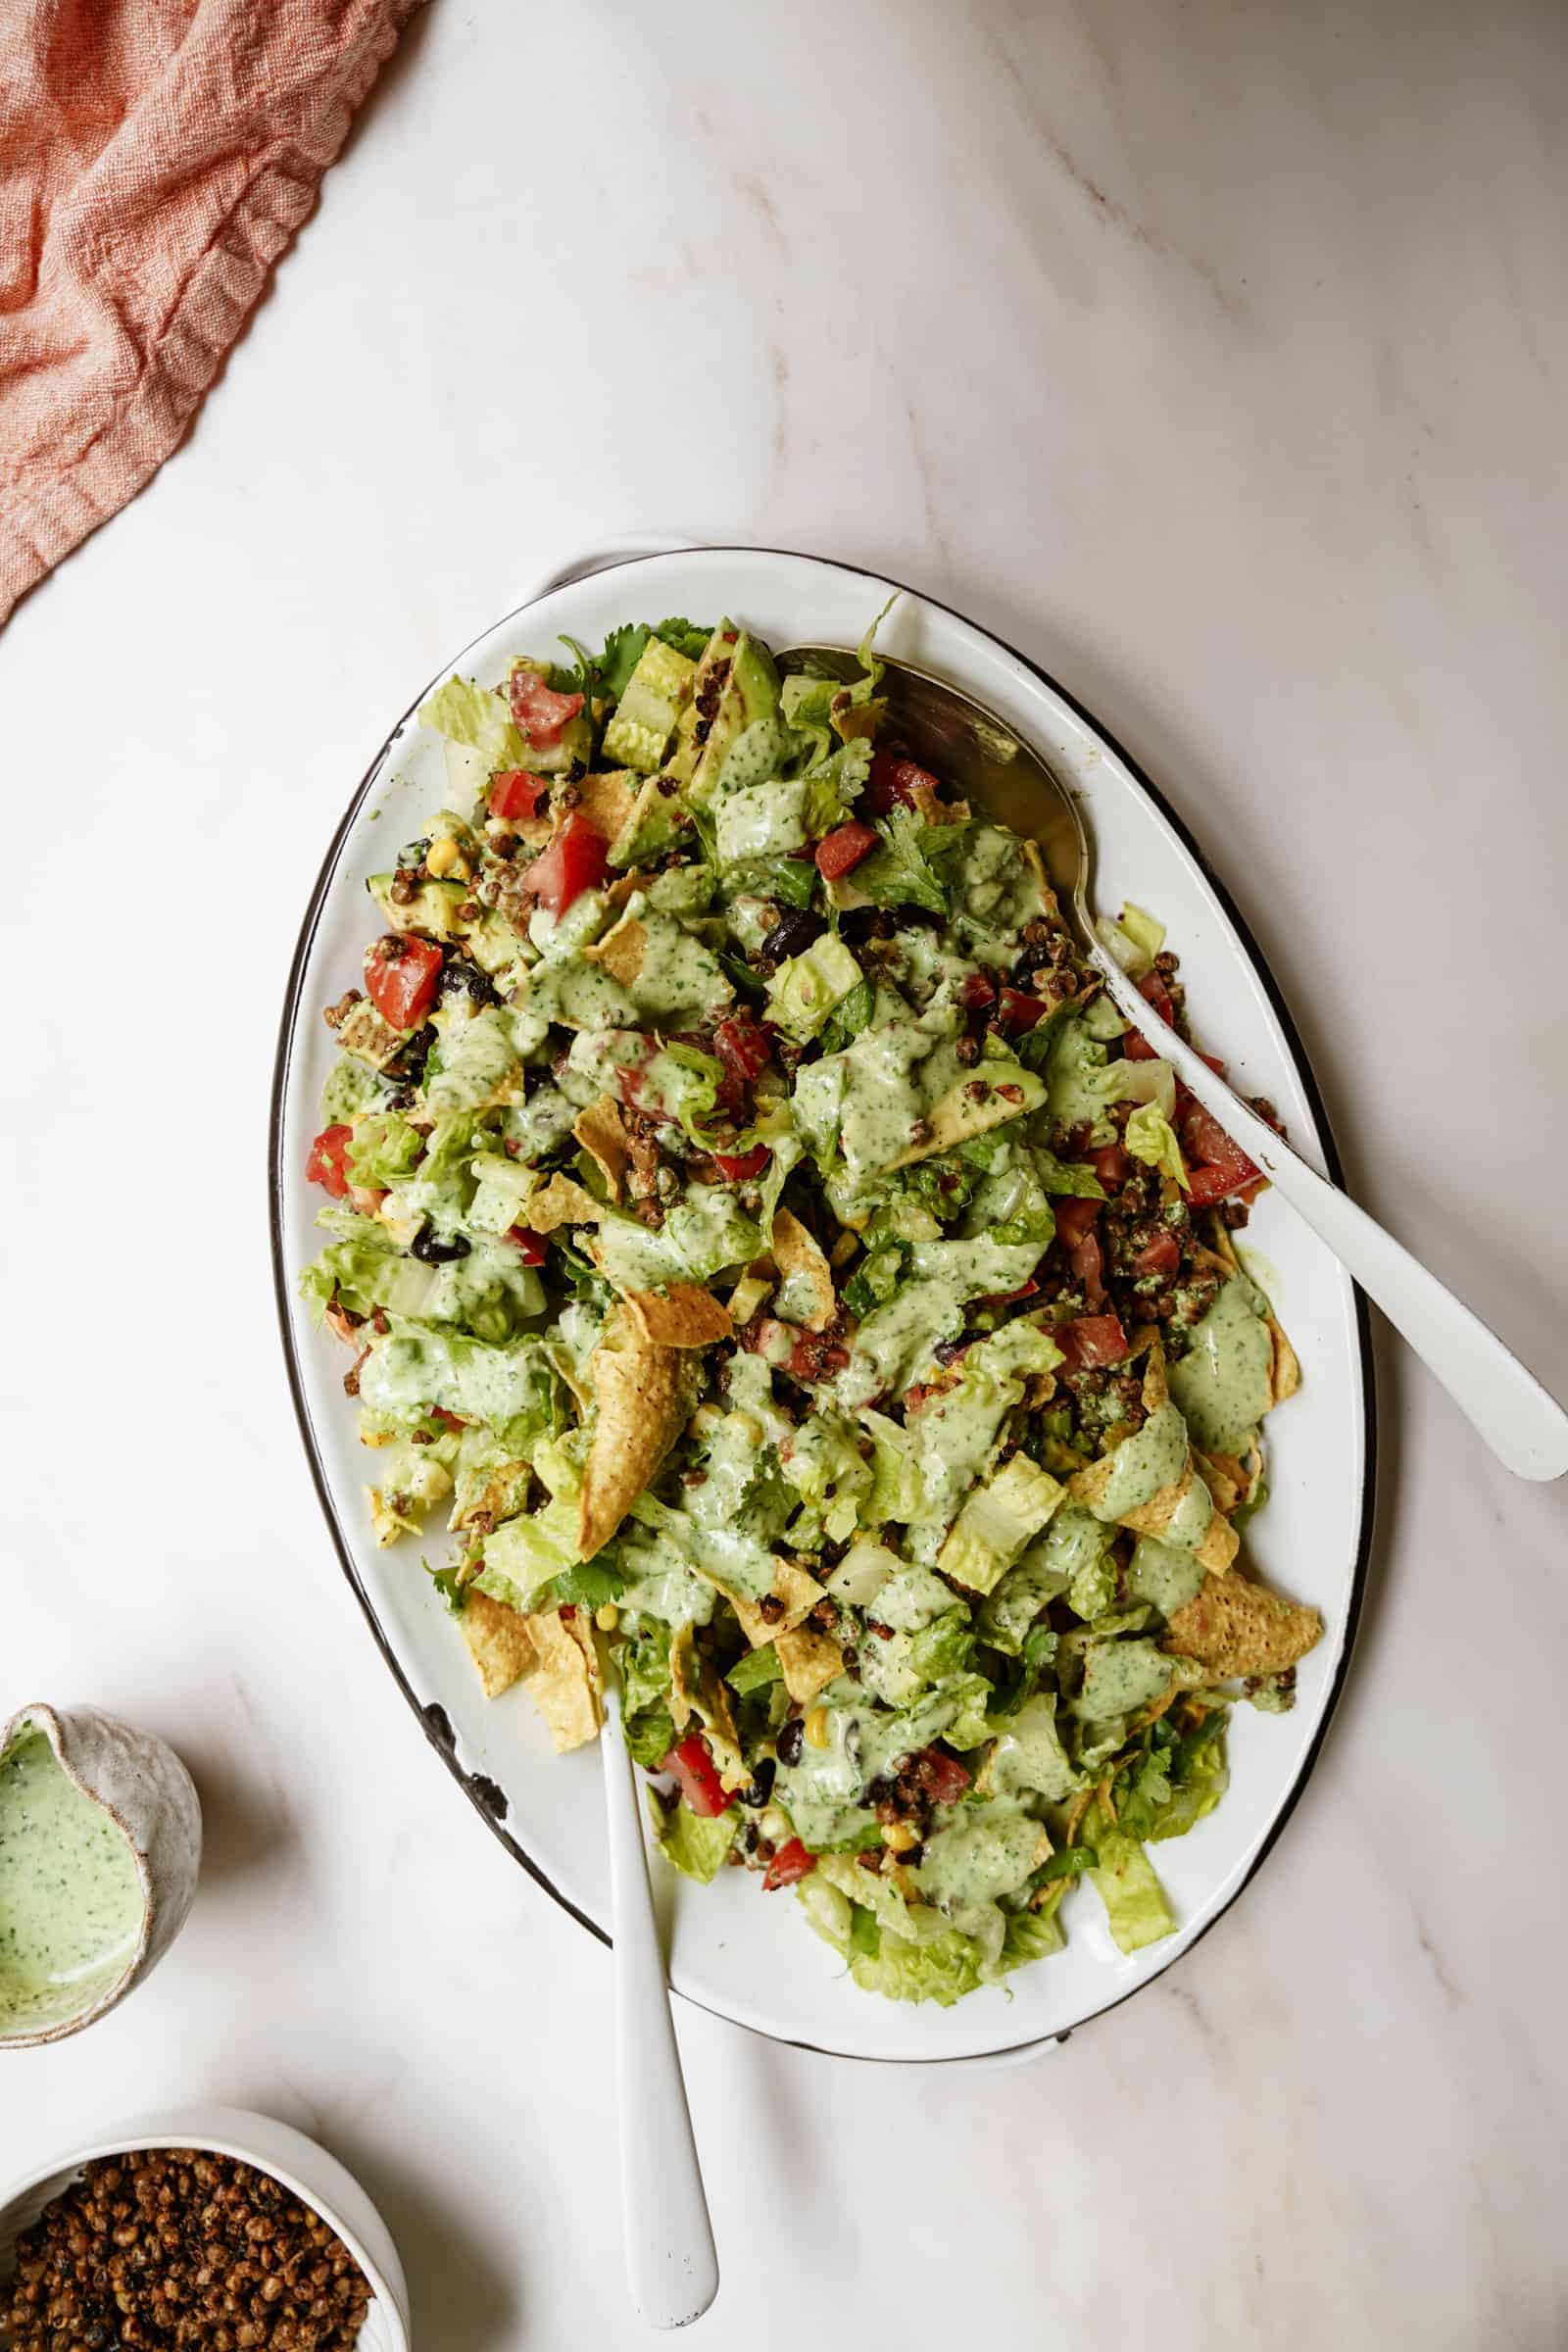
(564, 1680)
(622, 950)
(961, 1114)
(607, 800)
(684, 1315)
(792, 1587)
(645, 1396)
(499, 1641)
(1224, 1478)
(1234, 1626)
(1156, 1388)
(797, 1255)
(1285, 1373)
(560, 1201)
(1220, 1542)
(810, 1661)
(698, 1690)
(602, 1133)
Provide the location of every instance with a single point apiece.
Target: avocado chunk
(736, 686)
(656, 693)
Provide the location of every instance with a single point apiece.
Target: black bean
(794, 932)
(791, 1735)
(762, 1788)
(432, 1253)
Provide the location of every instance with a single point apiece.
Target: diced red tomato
(1087, 1269)
(842, 848)
(1074, 1219)
(1020, 1008)
(1152, 987)
(977, 991)
(743, 1044)
(530, 1244)
(517, 792)
(791, 1862)
(573, 863)
(1091, 1341)
(329, 1161)
(538, 710)
(693, 1769)
(438, 1412)
(895, 783)
(943, 1778)
(402, 972)
(1109, 1164)
(1224, 1166)
(739, 1167)
(1206, 1186)
(1162, 1256)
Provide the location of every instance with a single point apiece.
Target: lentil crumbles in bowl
(199, 2248)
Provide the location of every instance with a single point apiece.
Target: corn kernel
(606, 1617)
(816, 1726)
(899, 1836)
(446, 859)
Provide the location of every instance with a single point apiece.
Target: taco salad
(775, 1276)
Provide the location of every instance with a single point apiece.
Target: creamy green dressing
(1118, 1676)
(981, 1852)
(1223, 1384)
(820, 1793)
(71, 1900)
(1029, 1758)
(1154, 1456)
(1164, 1574)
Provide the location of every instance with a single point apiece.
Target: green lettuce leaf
(1135, 1901)
(901, 872)
(1149, 1137)
(476, 717)
(696, 1845)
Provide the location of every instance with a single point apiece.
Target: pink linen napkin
(155, 157)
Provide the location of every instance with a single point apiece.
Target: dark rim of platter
(487, 1798)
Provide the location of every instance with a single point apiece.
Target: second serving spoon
(1525, 1426)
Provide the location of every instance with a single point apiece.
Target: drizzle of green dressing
(1153, 1457)
(71, 1900)
(1222, 1384)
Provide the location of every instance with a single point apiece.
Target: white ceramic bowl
(313, 2177)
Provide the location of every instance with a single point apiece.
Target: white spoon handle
(671, 2265)
(1526, 1428)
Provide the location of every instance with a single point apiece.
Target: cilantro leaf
(900, 874)
(849, 1019)
(448, 1583)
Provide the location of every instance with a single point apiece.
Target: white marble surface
(1218, 358)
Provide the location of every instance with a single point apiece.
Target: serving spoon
(671, 2265)
(1526, 1428)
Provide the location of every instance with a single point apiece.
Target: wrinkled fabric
(155, 157)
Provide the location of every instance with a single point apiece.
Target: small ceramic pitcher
(144, 1790)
